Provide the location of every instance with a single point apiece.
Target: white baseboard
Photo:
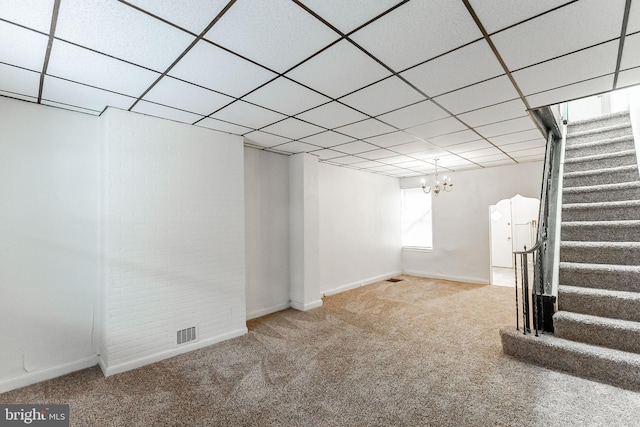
(118, 368)
(47, 374)
(308, 306)
(360, 283)
(268, 310)
(473, 280)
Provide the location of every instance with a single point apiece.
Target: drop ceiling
(384, 86)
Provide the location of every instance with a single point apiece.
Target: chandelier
(437, 186)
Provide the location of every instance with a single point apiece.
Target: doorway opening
(513, 227)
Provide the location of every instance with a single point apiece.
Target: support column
(304, 234)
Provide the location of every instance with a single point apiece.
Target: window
(416, 219)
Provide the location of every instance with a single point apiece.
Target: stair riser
(613, 308)
(595, 213)
(533, 350)
(615, 281)
(615, 195)
(597, 334)
(608, 178)
(588, 150)
(597, 124)
(601, 255)
(599, 135)
(601, 233)
(608, 162)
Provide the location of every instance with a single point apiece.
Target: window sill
(416, 249)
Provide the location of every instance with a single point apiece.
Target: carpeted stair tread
(601, 276)
(600, 161)
(602, 192)
(600, 134)
(600, 231)
(598, 122)
(602, 211)
(618, 253)
(608, 175)
(599, 146)
(616, 367)
(600, 302)
(603, 331)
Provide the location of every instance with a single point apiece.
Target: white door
(501, 239)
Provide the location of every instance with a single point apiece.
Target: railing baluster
(515, 270)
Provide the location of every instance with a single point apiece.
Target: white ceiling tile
(412, 147)
(84, 66)
(286, 96)
(415, 164)
(156, 110)
(186, 96)
(21, 47)
(394, 160)
(348, 15)
(525, 145)
(498, 14)
(454, 138)
(573, 27)
(480, 95)
(507, 126)
(630, 55)
(451, 160)
(633, 24)
(264, 139)
(429, 155)
(469, 146)
(568, 93)
(221, 126)
(462, 67)
(249, 115)
(212, 67)
(116, 29)
(332, 115)
(437, 127)
(365, 129)
(512, 138)
(496, 113)
(485, 152)
(399, 38)
(296, 147)
(69, 93)
(366, 164)
(339, 70)
(326, 154)
(378, 154)
(355, 147)
(19, 81)
(346, 160)
(528, 159)
(259, 30)
(579, 66)
(536, 151)
(192, 15)
(392, 139)
(501, 161)
(34, 14)
(327, 139)
(383, 168)
(18, 96)
(293, 128)
(629, 77)
(387, 95)
(422, 112)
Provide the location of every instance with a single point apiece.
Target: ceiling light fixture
(437, 186)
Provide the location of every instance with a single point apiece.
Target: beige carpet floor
(418, 352)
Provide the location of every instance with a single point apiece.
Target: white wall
(173, 238)
(360, 228)
(266, 184)
(49, 163)
(461, 235)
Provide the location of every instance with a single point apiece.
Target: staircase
(597, 325)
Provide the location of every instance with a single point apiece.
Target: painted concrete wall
(266, 187)
(174, 244)
(49, 181)
(360, 228)
(461, 235)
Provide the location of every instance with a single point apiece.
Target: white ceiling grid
(384, 86)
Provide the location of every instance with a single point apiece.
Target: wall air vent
(186, 335)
